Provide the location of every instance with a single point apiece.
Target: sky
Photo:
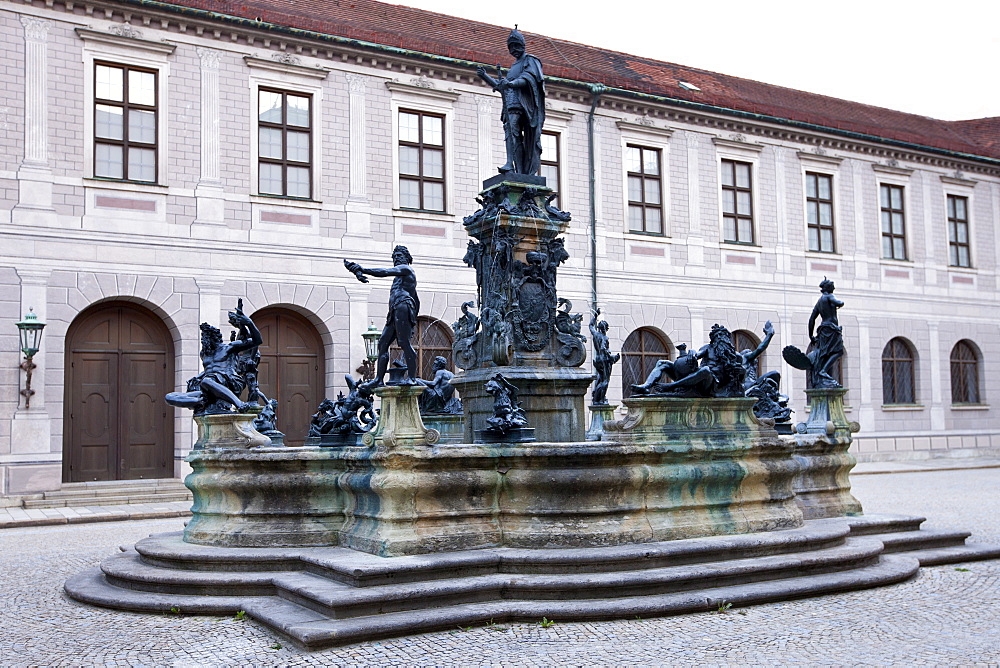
(938, 59)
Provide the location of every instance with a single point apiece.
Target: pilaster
(211, 207)
(935, 365)
(484, 123)
(357, 323)
(35, 173)
(358, 208)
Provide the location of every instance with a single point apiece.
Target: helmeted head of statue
(515, 43)
(515, 37)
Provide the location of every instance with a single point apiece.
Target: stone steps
(111, 493)
(313, 629)
(327, 596)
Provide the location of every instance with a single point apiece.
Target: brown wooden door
(291, 369)
(119, 366)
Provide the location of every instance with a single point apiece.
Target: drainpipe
(596, 90)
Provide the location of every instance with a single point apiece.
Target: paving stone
(945, 616)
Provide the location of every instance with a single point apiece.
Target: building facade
(161, 161)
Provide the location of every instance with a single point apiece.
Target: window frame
(894, 399)
(425, 359)
(141, 55)
(420, 146)
(818, 201)
(284, 128)
(736, 189)
(953, 221)
(296, 79)
(890, 235)
(556, 164)
(671, 354)
(643, 178)
(975, 398)
(126, 106)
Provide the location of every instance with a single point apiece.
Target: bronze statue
(219, 386)
(523, 91)
(403, 308)
(350, 415)
(603, 359)
(438, 396)
(720, 374)
(827, 342)
(507, 412)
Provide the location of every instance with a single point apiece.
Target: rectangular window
(125, 122)
(958, 231)
(550, 162)
(284, 127)
(737, 202)
(893, 222)
(645, 204)
(819, 212)
(421, 161)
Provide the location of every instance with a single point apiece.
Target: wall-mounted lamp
(30, 330)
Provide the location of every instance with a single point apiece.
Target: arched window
(744, 340)
(964, 374)
(431, 338)
(898, 377)
(642, 350)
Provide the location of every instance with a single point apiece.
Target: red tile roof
(438, 34)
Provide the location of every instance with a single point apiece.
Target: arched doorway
(119, 366)
(291, 369)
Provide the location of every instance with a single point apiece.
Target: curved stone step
(128, 571)
(312, 630)
(362, 569)
(866, 525)
(924, 539)
(92, 587)
(955, 555)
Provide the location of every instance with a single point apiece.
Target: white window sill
(125, 186)
(415, 214)
(286, 201)
(970, 407)
(902, 408)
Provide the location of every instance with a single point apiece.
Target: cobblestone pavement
(947, 615)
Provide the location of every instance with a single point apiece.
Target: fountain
(692, 499)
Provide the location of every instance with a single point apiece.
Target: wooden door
(291, 369)
(119, 366)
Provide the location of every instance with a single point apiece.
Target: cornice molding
(735, 145)
(892, 169)
(957, 181)
(826, 160)
(136, 43)
(288, 69)
(628, 127)
(411, 89)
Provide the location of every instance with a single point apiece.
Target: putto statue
(404, 305)
(523, 91)
(347, 416)
(217, 389)
(507, 412)
(438, 397)
(603, 359)
(827, 342)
